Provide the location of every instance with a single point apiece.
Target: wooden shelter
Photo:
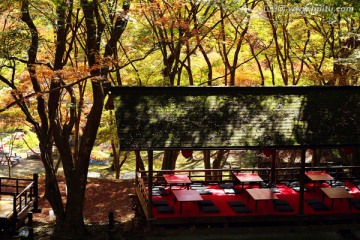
(198, 118)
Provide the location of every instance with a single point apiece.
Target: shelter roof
(159, 118)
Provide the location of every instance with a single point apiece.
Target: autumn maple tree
(56, 58)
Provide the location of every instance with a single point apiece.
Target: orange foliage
(247, 76)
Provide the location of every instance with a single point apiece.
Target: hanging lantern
(187, 153)
(348, 150)
(268, 152)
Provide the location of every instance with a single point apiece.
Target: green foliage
(340, 3)
(12, 42)
(148, 43)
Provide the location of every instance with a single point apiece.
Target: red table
(260, 194)
(186, 195)
(176, 179)
(336, 193)
(248, 177)
(318, 176)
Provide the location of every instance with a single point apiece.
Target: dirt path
(25, 168)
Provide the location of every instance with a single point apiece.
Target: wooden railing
(13, 185)
(226, 175)
(24, 193)
(23, 200)
(142, 194)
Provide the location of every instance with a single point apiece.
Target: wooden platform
(224, 189)
(264, 214)
(6, 206)
(18, 197)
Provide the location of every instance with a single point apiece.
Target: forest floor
(102, 197)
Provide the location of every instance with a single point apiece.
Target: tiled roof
(237, 117)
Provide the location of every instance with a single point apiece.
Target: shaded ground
(102, 196)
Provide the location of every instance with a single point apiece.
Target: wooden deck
(265, 214)
(6, 206)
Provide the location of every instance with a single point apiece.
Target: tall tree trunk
(116, 159)
(207, 164)
(316, 157)
(169, 159)
(140, 162)
(72, 226)
(217, 164)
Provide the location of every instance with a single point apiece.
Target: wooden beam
(150, 180)
(273, 166)
(302, 181)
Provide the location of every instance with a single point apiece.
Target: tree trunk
(72, 226)
(217, 164)
(140, 162)
(169, 160)
(316, 157)
(207, 164)
(116, 159)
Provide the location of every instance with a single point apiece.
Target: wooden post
(111, 220)
(356, 162)
(137, 154)
(30, 226)
(150, 180)
(36, 194)
(273, 166)
(14, 218)
(302, 181)
(17, 186)
(111, 225)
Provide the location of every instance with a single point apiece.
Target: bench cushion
(297, 189)
(241, 209)
(319, 206)
(284, 208)
(356, 205)
(226, 185)
(159, 192)
(236, 203)
(210, 209)
(277, 202)
(204, 203)
(354, 200)
(165, 209)
(229, 191)
(204, 192)
(312, 201)
(157, 203)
